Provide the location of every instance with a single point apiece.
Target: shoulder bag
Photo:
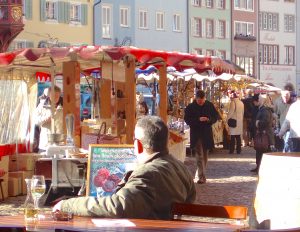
(231, 121)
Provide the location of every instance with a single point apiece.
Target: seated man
(149, 191)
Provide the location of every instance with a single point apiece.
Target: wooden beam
(163, 97)
(130, 103)
(105, 97)
(71, 89)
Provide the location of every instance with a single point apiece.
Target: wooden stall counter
(105, 224)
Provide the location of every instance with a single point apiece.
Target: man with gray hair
(149, 191)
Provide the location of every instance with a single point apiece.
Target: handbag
(261, 141)
(231, 121)
(98, 138)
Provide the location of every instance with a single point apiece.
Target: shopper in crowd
(264, 122)
(150, 190)
(141, 106)
(42, 116)
(255, 102)
(200, 115)
(281, 107)
(248, 109)
(291, 124)
(236, 111)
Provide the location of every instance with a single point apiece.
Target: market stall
(117, 86)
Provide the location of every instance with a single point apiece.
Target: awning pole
(52, 96)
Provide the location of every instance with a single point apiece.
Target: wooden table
(86, 224)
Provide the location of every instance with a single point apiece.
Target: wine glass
(38, 188)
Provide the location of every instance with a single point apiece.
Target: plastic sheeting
(14, 111)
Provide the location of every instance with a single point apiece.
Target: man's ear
(140, 147)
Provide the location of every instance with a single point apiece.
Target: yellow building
(56, 23)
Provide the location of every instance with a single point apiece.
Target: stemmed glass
(38, 188)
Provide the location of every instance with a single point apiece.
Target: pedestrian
(264, 123)
(158, 181)
(248, 109)
(200, 115)
(43, 117)
(291, 124)
(236, 111)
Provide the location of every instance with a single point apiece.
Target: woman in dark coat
(200, 115)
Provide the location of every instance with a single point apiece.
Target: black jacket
(201, 130)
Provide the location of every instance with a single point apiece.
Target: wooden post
(130, 105)
(105, 98)
(71, 88)
(163, 97)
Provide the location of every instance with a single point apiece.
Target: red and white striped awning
(90, 58)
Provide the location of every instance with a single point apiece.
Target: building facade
(244, 35)
(55, 23)
(159, 25)
(209, 27)
(277, 42)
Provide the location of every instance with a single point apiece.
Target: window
(19, 44)
(209, 3)
(268, 21)
(143, 19)
(209, 52)
(106, 21)
(27, 9)
(196, 27)
(289, 23)
(75, 12)
(289, 55)
(268, 54)
(245, 63)
(196, 2)
(209, 28)
(124, 16)
(221, 4)
(176, 22)
(245, 5)
(222, 29)
(198, 51)
(160, 21)
(51, 10)
(244, 28)
(221, 54)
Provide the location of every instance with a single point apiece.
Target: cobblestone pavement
(229, 181)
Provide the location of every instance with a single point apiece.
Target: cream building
(56, 23)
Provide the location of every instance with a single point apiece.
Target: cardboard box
(23, 175)
(5, 190)
(23, 162)
(14, 186)
(4, 166)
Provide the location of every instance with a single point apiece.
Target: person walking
(200, 115)
(236, 111)
(292, 124)
(264, 122)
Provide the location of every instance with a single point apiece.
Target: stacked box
(22, 175)
(4, 165)
(14, 186)
(23, 162)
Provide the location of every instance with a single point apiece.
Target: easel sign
(107, 165)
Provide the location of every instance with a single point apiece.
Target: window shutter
(203, 21)
(28, 9)
(61, 12)
(29, 44)
(84, 14)
(227, 31)
(43, 10)
(192, 26)
(217, 29)
(67, 12)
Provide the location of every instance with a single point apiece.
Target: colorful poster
(107, 166)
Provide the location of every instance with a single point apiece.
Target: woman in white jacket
(236, 111)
